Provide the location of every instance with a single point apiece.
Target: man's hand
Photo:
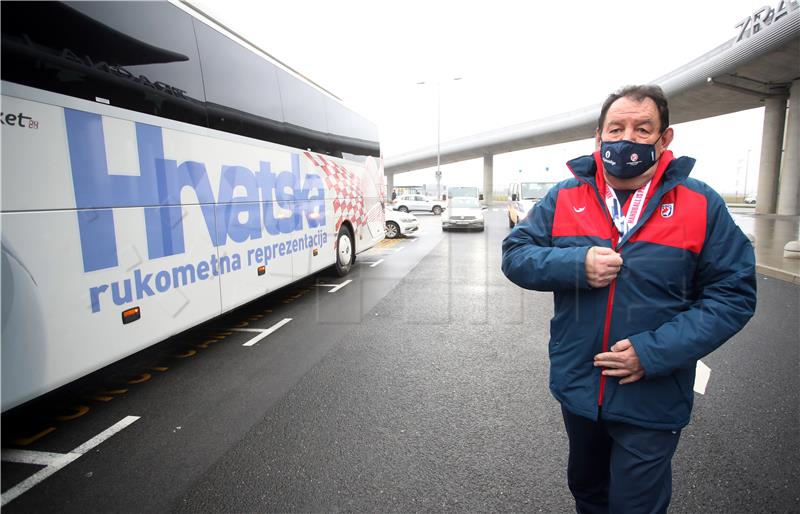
(621, 362)
(602, 266)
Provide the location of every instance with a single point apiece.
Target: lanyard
(624, 222)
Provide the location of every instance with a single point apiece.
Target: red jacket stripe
(679, 221)
(578, 213)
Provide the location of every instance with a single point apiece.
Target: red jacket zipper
(606, 330)
(607, 325)
(612, 287)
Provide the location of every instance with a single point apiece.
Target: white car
(407, 203)
(463, 212)
(521, 198)
(399, 223)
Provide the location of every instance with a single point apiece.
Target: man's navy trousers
(619, 468)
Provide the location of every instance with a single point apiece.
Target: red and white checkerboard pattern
(349, 200)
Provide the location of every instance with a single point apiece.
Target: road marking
(335, 287)
(340, 286)
(54, 461)
(375, 263)
(259, 330)
(265, 333)
(25, 441)
(144, 377)
(399, 249)
(80, 410)
(31, 457)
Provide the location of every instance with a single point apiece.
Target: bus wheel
(344, 251)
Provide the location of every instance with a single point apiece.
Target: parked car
(463, 212)
(521, 198)
(407, 203)
(750, 199)
(457, 191)
(399, 223)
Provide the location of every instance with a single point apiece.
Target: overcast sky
(518, 61)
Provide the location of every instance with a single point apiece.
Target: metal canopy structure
(760, 63)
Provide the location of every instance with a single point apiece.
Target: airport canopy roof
(737, 75)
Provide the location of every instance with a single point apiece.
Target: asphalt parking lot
(420, 385)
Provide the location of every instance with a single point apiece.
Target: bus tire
(344, 251)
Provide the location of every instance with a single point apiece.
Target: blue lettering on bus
(158, 188)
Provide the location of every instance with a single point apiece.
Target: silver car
(463, 212)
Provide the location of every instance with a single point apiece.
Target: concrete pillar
(771, 148)
(789, 192)
(488, 178)
(389, 186)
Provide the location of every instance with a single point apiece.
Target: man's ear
(597, 139)
(666, 138)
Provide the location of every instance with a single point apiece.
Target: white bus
(158, 171)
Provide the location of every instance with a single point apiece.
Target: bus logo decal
(158, 187)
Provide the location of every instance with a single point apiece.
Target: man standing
(649, 273)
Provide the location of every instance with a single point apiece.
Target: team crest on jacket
(667, 209)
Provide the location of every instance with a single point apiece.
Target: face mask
(626, 159)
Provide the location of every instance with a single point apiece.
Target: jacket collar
(669, 173)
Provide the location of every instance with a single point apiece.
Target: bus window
(349, 132)
(123, 54)
(302, 105)
(241, 88)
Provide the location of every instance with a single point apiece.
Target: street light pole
(439, 135)
(438, 140)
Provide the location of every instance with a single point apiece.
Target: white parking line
(54, 461)
(375, 263)
(335, 287)
(31, 457)
(264, 332)
(340, 286)
(399, 249)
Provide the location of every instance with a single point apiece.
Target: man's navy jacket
(687, 284)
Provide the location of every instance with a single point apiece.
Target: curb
(780, 274)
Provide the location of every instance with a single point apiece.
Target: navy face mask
(626, 159)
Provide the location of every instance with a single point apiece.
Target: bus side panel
(102, 214)
(241, 281)
(60, 322)
(373, 191)
(269, 210)
(35, 169)
(355, 195)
